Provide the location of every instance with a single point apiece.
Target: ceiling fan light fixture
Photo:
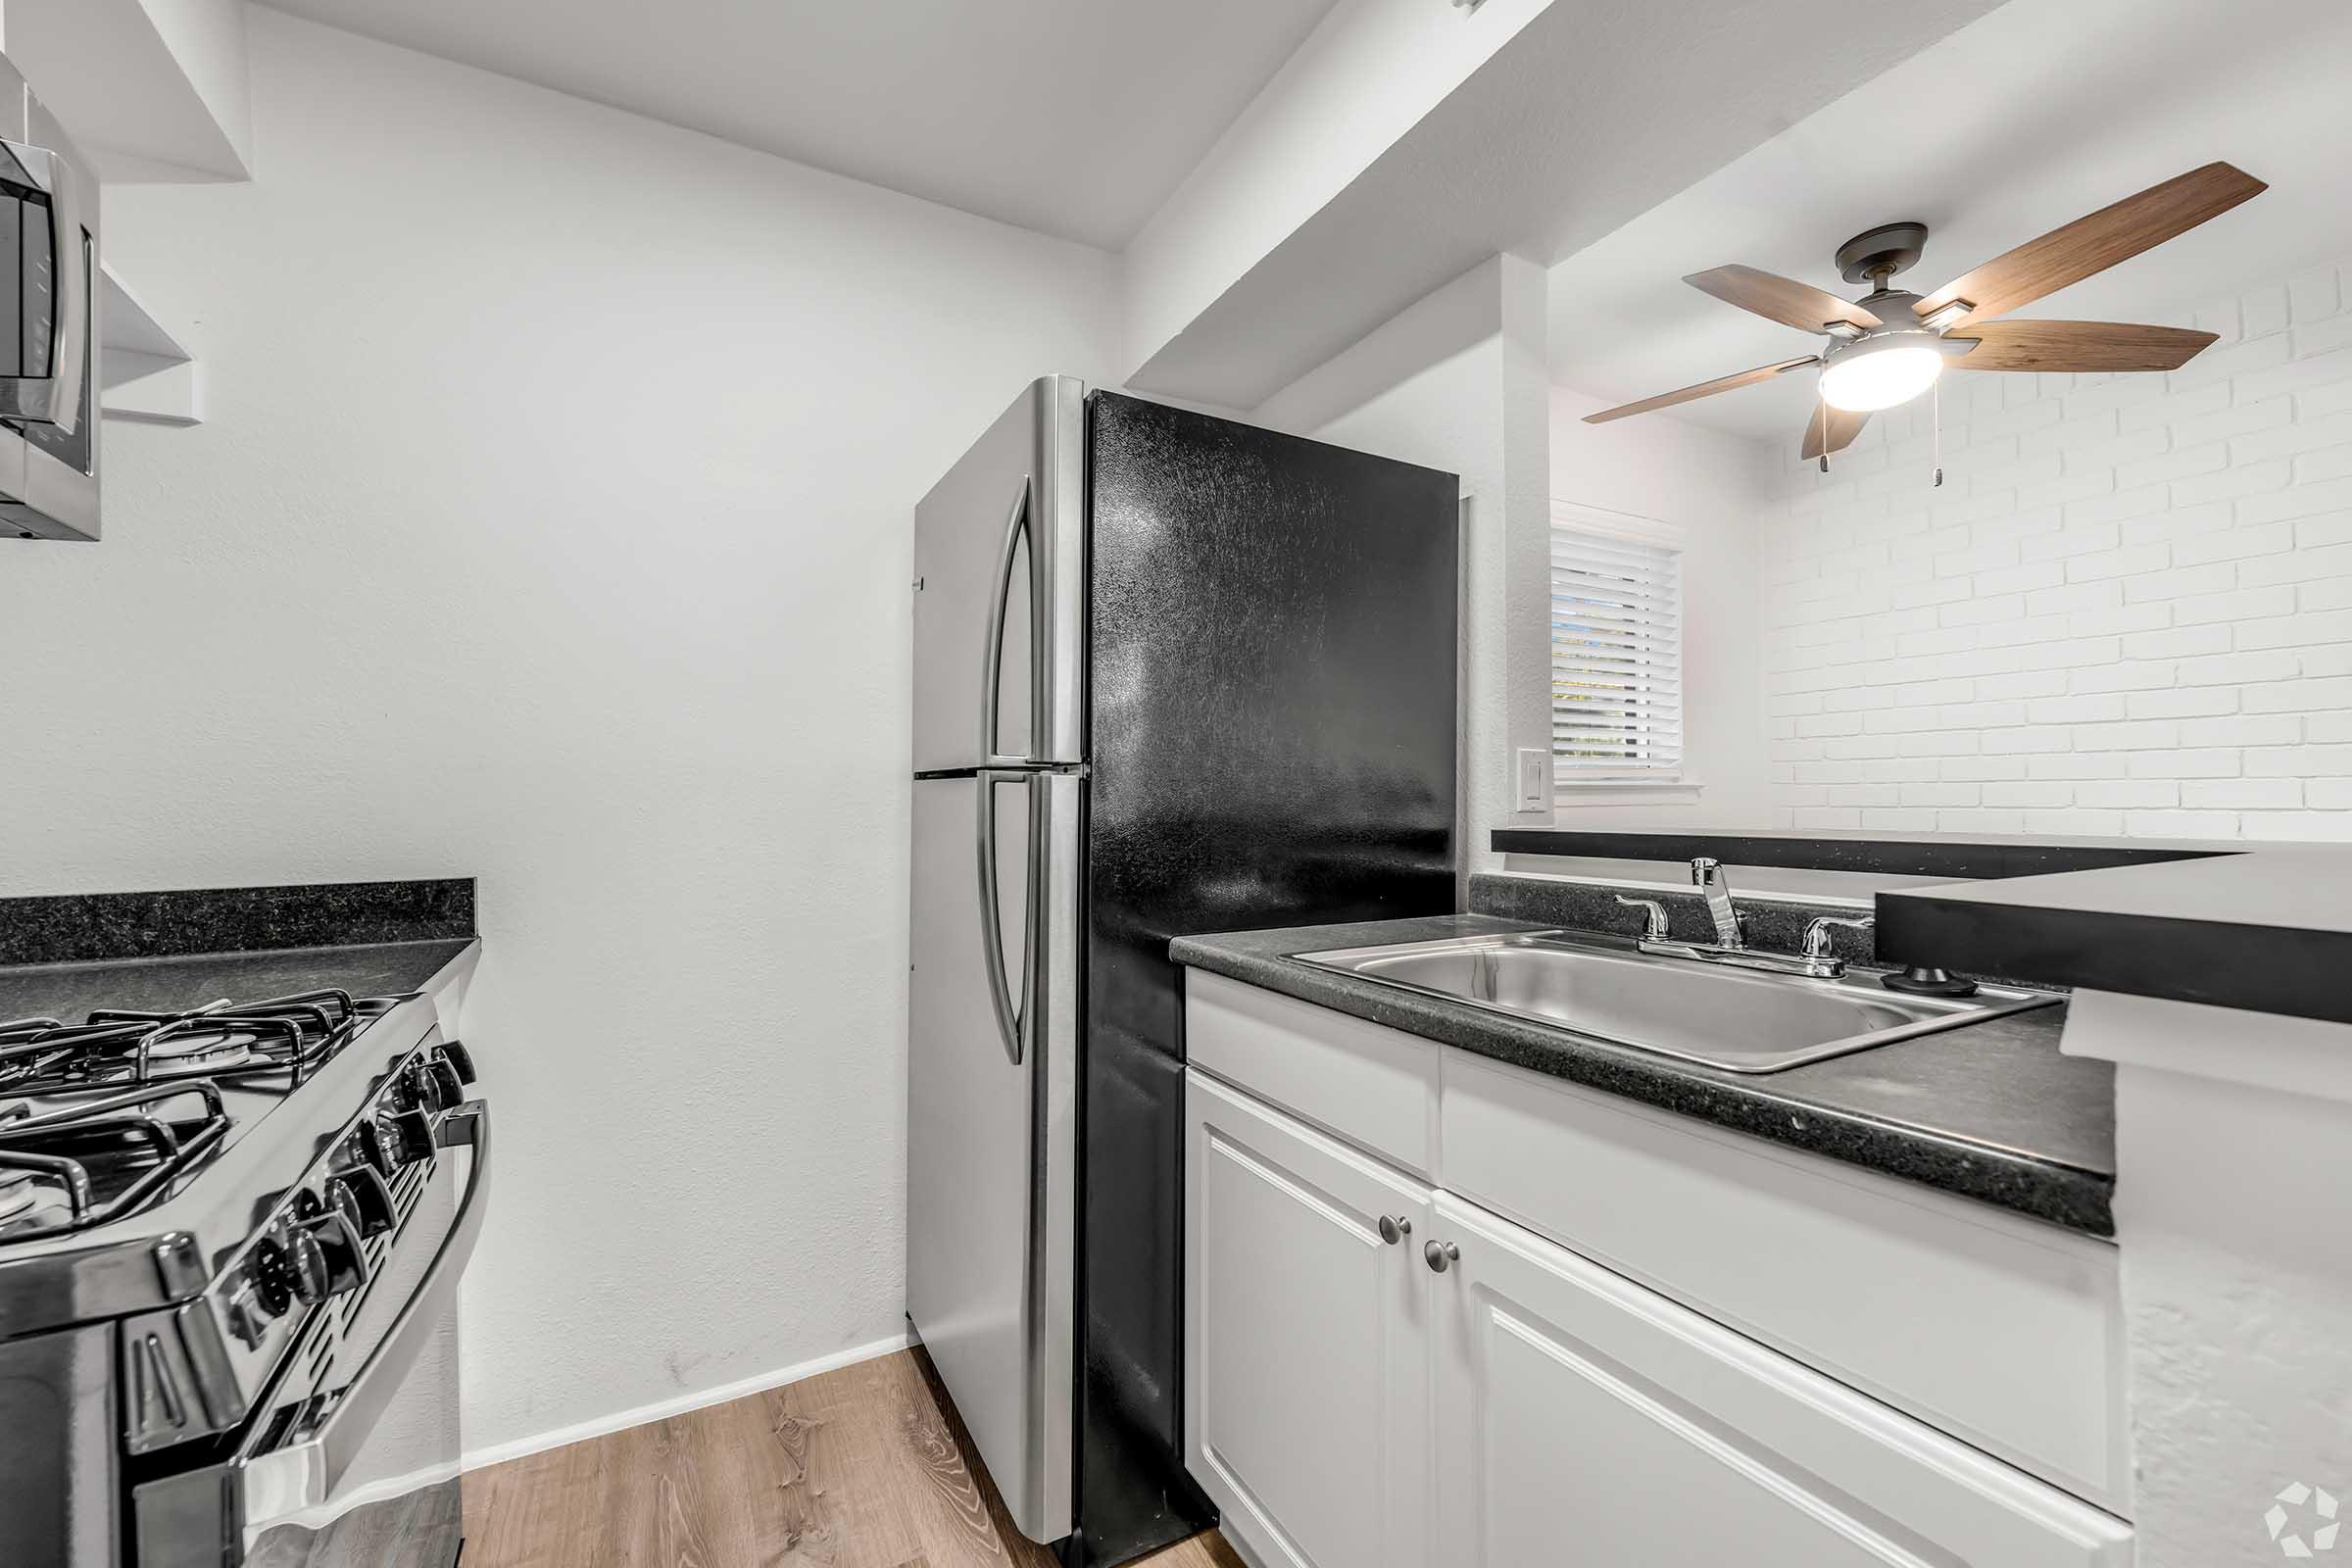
(1890, 345)
(1866, 379)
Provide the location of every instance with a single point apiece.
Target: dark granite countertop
(69, 990)
(1989, 1110)
(2266, 931)
(77, 927)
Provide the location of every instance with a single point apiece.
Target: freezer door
(1000, 592)
(991, 1119)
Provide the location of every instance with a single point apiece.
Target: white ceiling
(1075, 118)
(2033, 115)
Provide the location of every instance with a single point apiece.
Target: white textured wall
(1367, 75)
(1713, 486)
(2231, 1168)
(2128, 611)
(549, 524)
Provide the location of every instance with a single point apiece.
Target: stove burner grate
(284, 1035)
(86, 1162)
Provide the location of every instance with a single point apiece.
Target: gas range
(100, 1118)
(226, 1235)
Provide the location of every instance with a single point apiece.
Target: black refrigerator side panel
(1271, 737)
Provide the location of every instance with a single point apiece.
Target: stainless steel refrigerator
(1172, 674)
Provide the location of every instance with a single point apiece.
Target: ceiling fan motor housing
(1881, 253)
(1892, 308)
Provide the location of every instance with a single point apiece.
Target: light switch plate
(1534, 777)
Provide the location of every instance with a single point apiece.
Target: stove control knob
(331, 1243)
(248, 1319)
(442, 1090)
(267, 1287)
(306, 1269)
(375, 1147)
(411, 1134)
(361, 1197)
(459, 1059)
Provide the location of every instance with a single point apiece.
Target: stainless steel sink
(1743, 1021)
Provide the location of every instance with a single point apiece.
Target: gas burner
(91, 1158)
(288, 1036)
(216, 1051)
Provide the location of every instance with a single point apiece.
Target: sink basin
(1738, 1021)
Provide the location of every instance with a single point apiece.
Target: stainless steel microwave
(48, 325)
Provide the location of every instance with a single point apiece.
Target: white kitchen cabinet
(1582, 1419)
(1349, 1403)
(1306, 1381)
(1997, 1330)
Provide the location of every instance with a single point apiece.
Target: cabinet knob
(1394, 1228)
(1441, 1255)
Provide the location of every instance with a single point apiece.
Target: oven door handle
(316, 1465)
(56, 399)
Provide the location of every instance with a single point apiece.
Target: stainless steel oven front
(352, 1458)
(48, 325)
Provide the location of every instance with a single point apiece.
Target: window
(1616, 645)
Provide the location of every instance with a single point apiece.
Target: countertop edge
(2052, 1193)
(205, 922)
(2293, 970)
(178, 981)
(1973, 858)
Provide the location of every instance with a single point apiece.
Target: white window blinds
(1616, 645)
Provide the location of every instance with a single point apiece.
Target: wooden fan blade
(1841, 429)
(1722, 384)
(1783, 299)
(2095, 243)
(2081, 346)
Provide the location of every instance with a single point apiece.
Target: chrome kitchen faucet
(1730, 946)
(1707, 876)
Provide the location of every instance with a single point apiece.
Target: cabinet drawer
(1998, 1330)
(1584, 1419)
(1375, 1087)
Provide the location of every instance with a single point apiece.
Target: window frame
(1580, 781)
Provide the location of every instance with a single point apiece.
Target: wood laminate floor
(864, 1467)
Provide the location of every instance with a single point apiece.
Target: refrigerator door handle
(1013, 1012)
(992, 665)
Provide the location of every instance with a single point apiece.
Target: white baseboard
(664, 1409)
(600, 1426)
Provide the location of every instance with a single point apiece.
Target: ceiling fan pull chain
(1821, 410)
(1935, 419)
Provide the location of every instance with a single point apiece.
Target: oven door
(354, 1460)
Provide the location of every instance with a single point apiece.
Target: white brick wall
(2128, 611)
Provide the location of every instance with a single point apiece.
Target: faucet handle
(1703, 870)
(1818, 929)
(1654, 917)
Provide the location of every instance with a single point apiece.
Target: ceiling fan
(1892, 345)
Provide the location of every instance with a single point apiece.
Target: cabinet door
(1306, 1345)
(1585, 1422)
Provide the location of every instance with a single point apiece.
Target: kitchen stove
(71, 1157)
(225, 1236)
